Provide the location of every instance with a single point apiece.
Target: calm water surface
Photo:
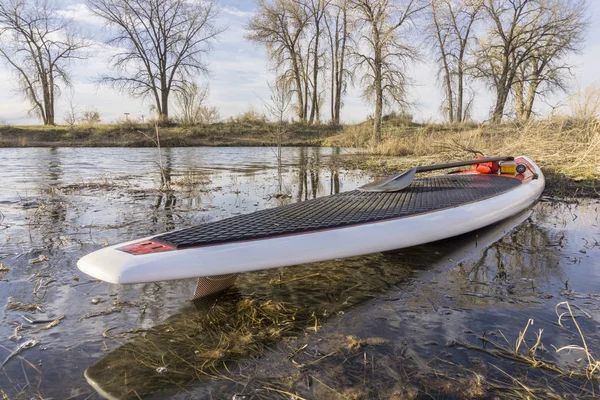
(440, 320)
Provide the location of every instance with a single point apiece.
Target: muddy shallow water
(441, 320)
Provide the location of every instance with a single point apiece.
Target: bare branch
(525, 48)
(39, 45)
(380, 55)
(165, 44)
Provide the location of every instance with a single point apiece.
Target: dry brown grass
(562, 145)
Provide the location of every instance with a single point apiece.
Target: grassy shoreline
(231, 133)
(567, 149)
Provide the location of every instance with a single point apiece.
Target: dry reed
(562, 145)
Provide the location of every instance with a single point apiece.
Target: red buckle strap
(146, 247)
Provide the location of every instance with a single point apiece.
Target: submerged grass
(18, 306)
(592, 369)
(587, 372)
(191, 348)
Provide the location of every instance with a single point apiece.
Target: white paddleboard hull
(116, 266)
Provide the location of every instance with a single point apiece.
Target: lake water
(439, 320)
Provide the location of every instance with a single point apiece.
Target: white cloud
(81, 13)
(237, 12)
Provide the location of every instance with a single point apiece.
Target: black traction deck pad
(345, 209)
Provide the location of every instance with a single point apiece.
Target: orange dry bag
(486, 167)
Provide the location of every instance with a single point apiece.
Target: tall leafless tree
(280, 26)
(380, 54)
(317, 11)
(546, 70)
(39, 44)
(163, 43)
(452, 25)
(520, 31)
(337, 23)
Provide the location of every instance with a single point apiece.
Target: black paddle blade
(391, 184)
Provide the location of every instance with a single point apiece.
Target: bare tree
(317, 10)
(380, 54)
(72, 114)
(163, 43)
(278, 108)
(451, 30)
(280, 26)
(39, 44)
(337, 22)
(546, 70)
(584, 104)
(90, 116)
(520, 31)
(191, 101)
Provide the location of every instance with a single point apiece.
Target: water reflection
(334, 184)
(301, 299)
(404, 308)
(423, 338)
(58, 204)
(53, 165)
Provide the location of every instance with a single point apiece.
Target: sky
(240, 72)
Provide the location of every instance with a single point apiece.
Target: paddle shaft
(435, 167)
(404, 179)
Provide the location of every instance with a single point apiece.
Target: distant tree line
(317, 49)
(517, 47)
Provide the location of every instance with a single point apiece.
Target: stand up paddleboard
(386, 215)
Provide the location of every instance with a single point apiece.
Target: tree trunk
(164, 106)
(378, 113)
(298, 79)
(448, 91)
(315, 94)
(334, 66)
(499, 107)
(306, 83)
(447, 77)
(45, 85)
(503, 85)
(50, 103)
(47, 115)
(519, 101)
(459, 93)
(530, 99)
(378, 96)
(340, 77)
(340, 54)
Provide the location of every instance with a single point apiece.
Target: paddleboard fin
(208, 285)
